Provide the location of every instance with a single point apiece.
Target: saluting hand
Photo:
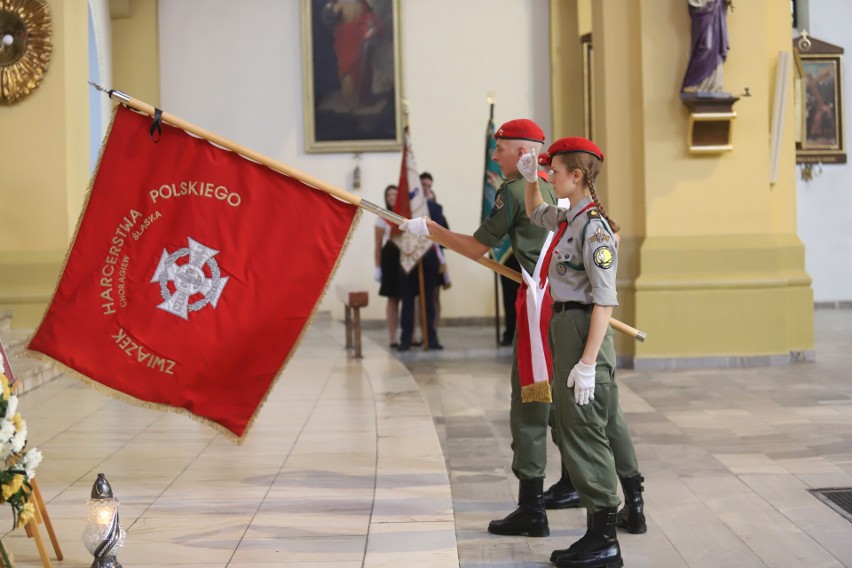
(416, 227)
(582, 378)
(528, 166)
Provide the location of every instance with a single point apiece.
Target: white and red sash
(533, 310)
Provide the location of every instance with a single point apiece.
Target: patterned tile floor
(728, 457)
(346, 467)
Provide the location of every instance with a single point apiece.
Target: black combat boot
(598, 548)
(632, 515)
(559, 552)
(562, 494)
(530, 518)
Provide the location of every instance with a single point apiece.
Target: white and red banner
(192, 275)
(410, 203)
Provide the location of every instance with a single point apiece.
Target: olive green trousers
(589, 436)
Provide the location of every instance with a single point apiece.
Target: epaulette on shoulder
(594, 214)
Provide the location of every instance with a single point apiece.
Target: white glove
(528, 166)
(416, 227)
(377, 274)
(582, 378)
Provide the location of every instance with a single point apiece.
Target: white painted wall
(825, 203)
(100, 71)
(235, 68)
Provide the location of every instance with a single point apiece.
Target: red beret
(568, 146)
(520, 129)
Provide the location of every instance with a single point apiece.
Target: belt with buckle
(561, 306)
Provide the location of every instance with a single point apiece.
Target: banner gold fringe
(80, 216)
(536, 392)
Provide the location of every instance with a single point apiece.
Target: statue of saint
(709, 47)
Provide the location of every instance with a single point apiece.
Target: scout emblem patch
(561, 269)
(599, 237)
(603, 257)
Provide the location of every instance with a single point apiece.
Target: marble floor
(402, 461)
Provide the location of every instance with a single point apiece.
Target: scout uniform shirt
(583, 261)
(508, 217)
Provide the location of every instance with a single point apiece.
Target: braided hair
(590, 166)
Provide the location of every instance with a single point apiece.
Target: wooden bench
(354, 298)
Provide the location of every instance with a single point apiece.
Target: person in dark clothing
(510, 293)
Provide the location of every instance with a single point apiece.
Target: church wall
(236, 69)
(825, 203)
(44, 167)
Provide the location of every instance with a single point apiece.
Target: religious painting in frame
(821, 125)
(352, 71)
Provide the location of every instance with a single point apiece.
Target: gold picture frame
(352, 76)
(820, 121)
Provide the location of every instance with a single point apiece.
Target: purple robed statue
(709, 47)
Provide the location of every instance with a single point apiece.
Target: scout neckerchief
(545, 267)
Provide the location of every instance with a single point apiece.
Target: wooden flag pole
(424, 325)
(497, 308)
(316, 183)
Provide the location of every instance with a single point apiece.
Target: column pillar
(710, 265)
(44, 164)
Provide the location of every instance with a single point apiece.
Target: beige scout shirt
(584, 262)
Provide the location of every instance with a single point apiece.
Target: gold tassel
(536, 392)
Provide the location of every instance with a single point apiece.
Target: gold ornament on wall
(25, 47)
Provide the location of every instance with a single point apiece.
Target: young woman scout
(581, 265)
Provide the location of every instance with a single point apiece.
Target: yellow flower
(27, 514)
(5, 383)
(13, 486)
(18, 421)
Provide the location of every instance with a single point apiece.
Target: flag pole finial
(405, 113)
(123, 97)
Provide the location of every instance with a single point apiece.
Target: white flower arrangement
(17, 465)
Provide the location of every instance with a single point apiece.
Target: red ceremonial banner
(192, 275)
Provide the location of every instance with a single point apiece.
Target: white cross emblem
(189, 279)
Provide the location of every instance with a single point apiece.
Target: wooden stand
(6, 558)
(41, 517)
(353, 298)
(31, 528)
(710, 121)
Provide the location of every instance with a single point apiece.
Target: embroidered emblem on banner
(189, 279)
(603, 257)
(599, 237)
